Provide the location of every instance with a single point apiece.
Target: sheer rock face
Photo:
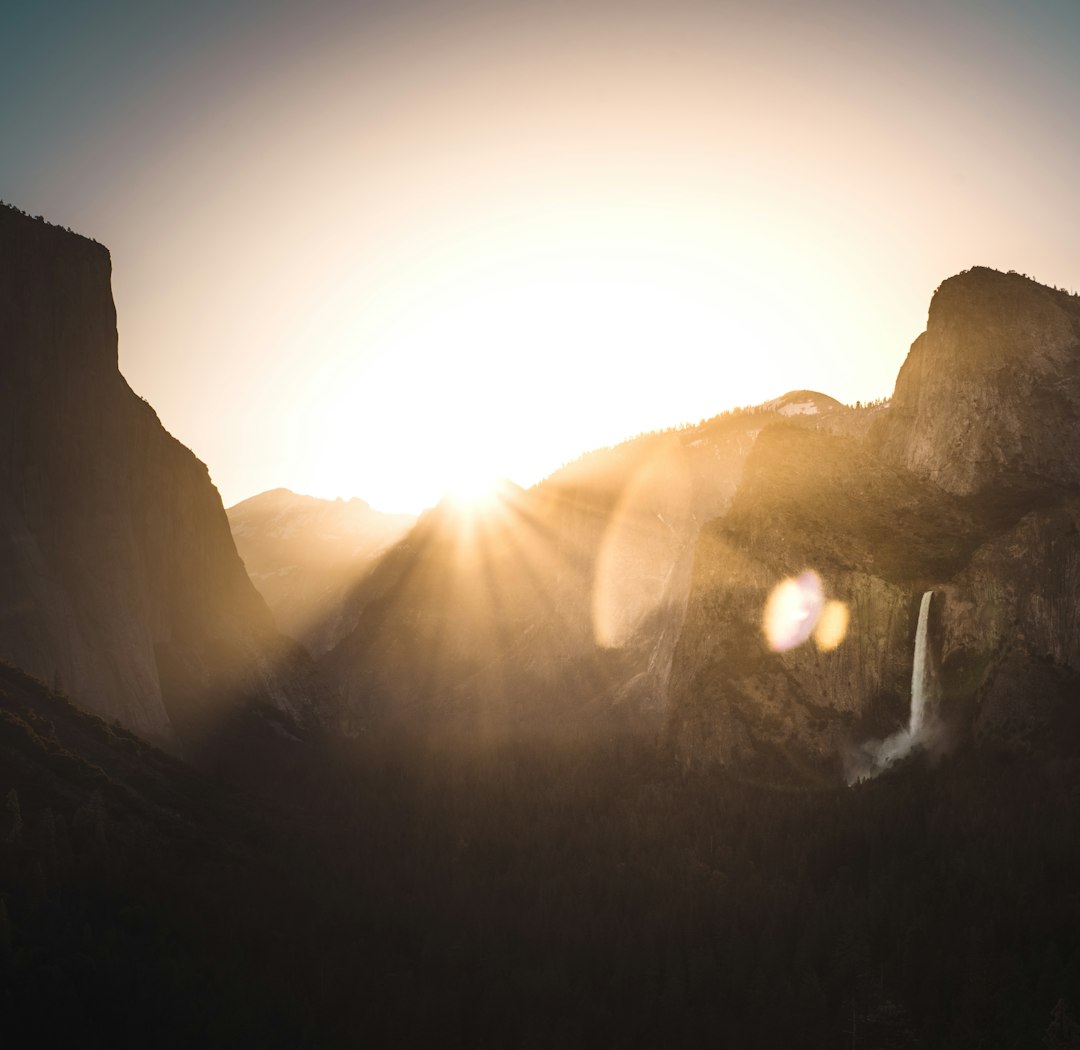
(119, 580)
(966, 487)
(873, 534)
(990, 392)
(1004, 624)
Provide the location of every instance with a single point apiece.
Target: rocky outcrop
(989, 394)
(119, 580)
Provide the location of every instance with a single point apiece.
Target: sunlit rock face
(819, 506)
(990, 392)
(965, 487)
(119, 580)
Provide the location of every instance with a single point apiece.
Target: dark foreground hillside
(131, 888)
(527, 895)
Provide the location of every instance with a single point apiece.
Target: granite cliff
(990, 393)
(966, 487)
(119, 580)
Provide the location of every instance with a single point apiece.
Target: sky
(379, 249)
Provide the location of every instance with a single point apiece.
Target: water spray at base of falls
(875, 756)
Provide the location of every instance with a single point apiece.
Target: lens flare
(797, 609)
(832, 626)
(637, 555)
(792, 611)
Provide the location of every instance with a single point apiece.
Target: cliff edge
(989, 394)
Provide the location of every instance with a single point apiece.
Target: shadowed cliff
(119, 579)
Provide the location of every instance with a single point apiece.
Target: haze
(371, 250)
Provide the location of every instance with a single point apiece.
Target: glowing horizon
(360, 250)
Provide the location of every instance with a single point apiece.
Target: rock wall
(966, 486)
(990, 392)
(808, 501)
(119, 580)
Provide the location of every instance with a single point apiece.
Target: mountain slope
(304, 554)
(561, 605)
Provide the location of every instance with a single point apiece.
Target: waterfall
(920, 671)
(875, 755)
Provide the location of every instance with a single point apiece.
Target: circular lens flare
(792, 611)
(832, 626)
(797, 609)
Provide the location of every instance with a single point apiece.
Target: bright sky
(363, 249)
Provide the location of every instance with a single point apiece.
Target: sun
(473, 489)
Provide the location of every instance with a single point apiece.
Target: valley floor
(533, 895)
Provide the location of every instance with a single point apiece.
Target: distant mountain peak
(802, 403)
(304, 553)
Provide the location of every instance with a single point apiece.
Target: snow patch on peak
(799, 408)
(801, 403)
